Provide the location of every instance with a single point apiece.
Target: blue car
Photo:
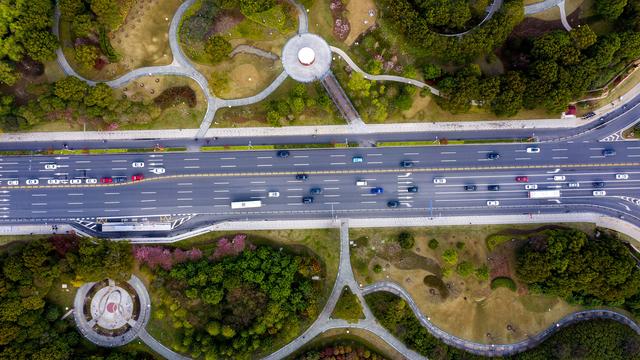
(357, 159)
(377, 190)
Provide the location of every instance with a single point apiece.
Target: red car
(106, 180)
(137, 177)
(522, 179)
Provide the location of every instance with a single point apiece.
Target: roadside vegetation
(338, 348)
(595, 339)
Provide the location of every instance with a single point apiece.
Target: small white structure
(306, 56)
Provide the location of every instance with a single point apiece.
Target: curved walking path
(248, 49)
(563, 16)
(368, 76)
(541, 6)
(491, 10)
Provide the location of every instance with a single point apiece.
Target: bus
(246, 204)
(544, 194)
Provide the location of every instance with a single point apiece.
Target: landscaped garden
(473, 276)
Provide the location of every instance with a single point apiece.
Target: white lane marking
(332, 188)
(38, 194)
(448, 152)
(294, 204)
(148, 200)
(74, 203)
(227, 166)
(220, 205)
(263, 165)
(294, 189)
(332, 203)
(184, 206)
(292, 181)
(220, 198)
(293, 196)
(598, 148)
(192, 159)
(220, 191)
(112, 193)
(633, 155)
(300, 164)
(301, 156)
(75, 211)
(483, 151)
(185, 192)
(265, 157)
(38, 204)
(258, 197)
(633, 147)
(75, 194)
(374, 154)
(523, 158)
(484, 159)
(118, 161)
(337, 155)
(185, 184)
(411, 153)
(596, 157)
(448, 160)
(368, 202)
(184, 199)
(14, 171)
(227, 158)
(82, 161)
(258, 182)
(331, 180)
(332, 195)
(368, 194)
(374, 162)
(221, 183)
(193, 167)
(148, 192)
(258, 190)
(340, 163)
(148, 208)
(118, 169)
(559, 157)
(559, 149)
(112, 202)
(111, 210)
(38, 211)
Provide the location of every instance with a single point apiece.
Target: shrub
(377, 268)
(433, 244)
(460, 245)
(464, 269)
(495, 240)
(503, 282)
(218, 48)
(176, 95)
(450, 256)
(482, 273)
(406, 240)
(348, 307)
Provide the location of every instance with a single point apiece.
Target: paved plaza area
(306, 57)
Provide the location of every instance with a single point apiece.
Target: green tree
(431, 71)
(83, 25)
(71, 89)
(482, 273)
(610, 9)
(464, 269)
(218, 48)
(406, 240)
(450, 256)
(433, 244)
(109, 13)
(69, 9)
(359, 85)
(297, 105)
(255, 6)
(228, 332)
(583, 36)
(40, 45)
(100, 95)
(86, 55)
(7, 73)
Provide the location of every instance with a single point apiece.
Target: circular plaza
(110, 313)
(306, 57)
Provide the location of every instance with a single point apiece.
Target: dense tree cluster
(25, 33)
(299, 99)
(30, 324)
(451, 16)
(590, 271)
(348, 307)
(238, 305)
(340, 351)
(218, 48)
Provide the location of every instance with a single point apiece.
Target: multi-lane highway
(204, 184)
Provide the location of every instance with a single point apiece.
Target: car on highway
(137, 164)
(273, 194)
(106, 180)
(393, 204)
(283, 154)
(51, 166)
(522, 179)
(406, 163)
(91, 181)
(533, 150)
(470, 188)
(137, 177)
(361, 182)
(302, 177)
(75, 181)
(119, 179)
(599, 193)
(598, 184)
(158, 170)
(53, 181)
(377, 190)
(608, 152)
(13, 182)
(307, 200)
(439, 180)
(531, 187)
(412, 189)
(574, 184)
(559, 178)
(622, 176)
(316, 191)
(357, 159)
(493, 156)
(493, 187)
(493, 203)
(33, 181)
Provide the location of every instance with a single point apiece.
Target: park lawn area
(550, 14)
(623, 88)
(463, 306)
(323, 243)
(353, 336)
(321, 21)
(358, 13)
(143, 40)
(348, 307)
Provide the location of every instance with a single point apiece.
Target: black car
(608, 152)
(412, 189)
(393, 204)
(307, 200)
(119, 179)
(493, 156)
(316, 191)
(406, 164)
(493, 187)
(283, 154)
(598, 184)
(302, 177)
(470, 188)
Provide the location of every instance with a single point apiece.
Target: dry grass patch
(551, 14)
(358, 16)
(463, 306)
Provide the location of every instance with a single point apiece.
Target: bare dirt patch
(359, 18)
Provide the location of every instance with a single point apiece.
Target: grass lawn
(622, 89)
(355, 336)
(451, 300)
(348, 307)
(324, 243)
(143, 40)
(358, 15)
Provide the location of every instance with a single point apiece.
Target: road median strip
(88, 151)
(448, 142)
(277, 147)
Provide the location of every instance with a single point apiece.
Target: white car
(75, 181)
(493, 203)
(274, 194)
(13, 182)
(622, 176)
(53, 181)
(530, 187)
(599, 193)
(33, 181)
(158, 170)
(439, 181)
(533, 150)
(574, 184)
(559, 178)
(361, 182)
(91, 181)
(50, 166)
(137, 164)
